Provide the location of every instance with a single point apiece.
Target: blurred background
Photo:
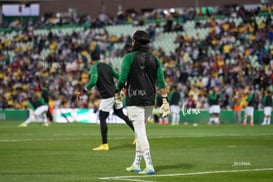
(203, 44)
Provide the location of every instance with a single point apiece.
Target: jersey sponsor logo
(136, 92)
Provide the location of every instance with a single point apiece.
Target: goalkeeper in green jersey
(102, 75)
(140, 73)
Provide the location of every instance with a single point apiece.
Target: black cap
(95, 55)
(141, 37)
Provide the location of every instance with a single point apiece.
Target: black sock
(119, 113)
(103, 126)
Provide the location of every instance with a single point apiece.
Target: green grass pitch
(63, 152)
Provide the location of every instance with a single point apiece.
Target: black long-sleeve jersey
(102, 75)
(142, 71)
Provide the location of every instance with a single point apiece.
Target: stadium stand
(232, 50)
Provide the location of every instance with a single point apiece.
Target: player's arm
(125, 69)
(93, 77)
(115, 73)
(92, 81)
(160, 79)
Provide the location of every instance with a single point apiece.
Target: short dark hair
(141, 37)
(95, 55)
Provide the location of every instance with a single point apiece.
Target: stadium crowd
(234, 57)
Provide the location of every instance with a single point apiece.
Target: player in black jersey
(102, 75)
(140, 73)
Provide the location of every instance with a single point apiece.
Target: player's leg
(251, 116)
(267, 113)
(245, 116)
(105, 107)
(211, 115)
(139, 117)
(214, 112)
(175, 116)
(251, 120)
(103, 126)
(212, 118)
(135, 167)
(118, 110)
(265, 118)
(217, 112)
(215, 118)
(31, 117)
(145, 146)
(120, 114)
(41, 111)
(103, 130)
(144, 113)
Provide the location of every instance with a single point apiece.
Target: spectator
(230, 51)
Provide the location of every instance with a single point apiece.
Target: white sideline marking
(37, 139)
(121, 138)
(132, 178)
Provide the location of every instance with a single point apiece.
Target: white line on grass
(121, 138)
(37, 139)
(133, 178)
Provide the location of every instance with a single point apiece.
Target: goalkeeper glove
(165, 108)
(79, 96)
(119, 96)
